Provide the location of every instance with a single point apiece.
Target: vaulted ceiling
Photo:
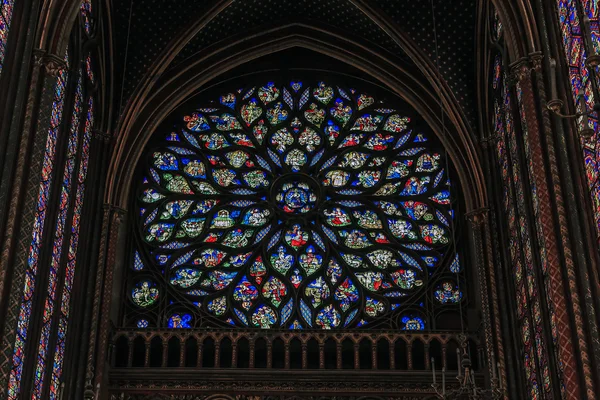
(143, 29)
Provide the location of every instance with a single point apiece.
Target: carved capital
(118, 213)
(520, 70)
(490, 141)
(477, 217)
(536, 60)
(102, 136)
(51, 63)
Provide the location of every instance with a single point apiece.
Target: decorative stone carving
(51, 63)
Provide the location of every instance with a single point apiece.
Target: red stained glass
(6, 10)
(86, 11)
(55, 264)
(522, 266)
(30, 281)
(71, 257)
(287, 206)
(580, 82)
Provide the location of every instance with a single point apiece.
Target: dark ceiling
(143, 32)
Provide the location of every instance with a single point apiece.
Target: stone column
(551, 236)
(22, 207)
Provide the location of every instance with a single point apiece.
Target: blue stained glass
(349, 192)
(6, 9)
(413, 323)
(286, 311)
(296, 85)
(438, 178)
(182, 260)
(306, 313)
(182, 151)
(173, 137)
(274, 157)
(287, 97)
(455, 266)
(411, 152)
(350, 203)
(38, 233)
(190, 138)
(403, 139)
(330, 234)
(174, 245)
(419, 138)
(197, 292)
(244, 192)
(274, 240)
(296, 325)
(242, 203)
(260, 236)
(317, 238)
(442, 217)
(142, 323)
(410, 261)
(395, 294)
(138, 265)
(151, 217)
(343, 93)
(228, 100)
(180, 321)
(85, 10)
(304, 98)
(241, 316)
(582, 83)
(385, 110)
(448, 293)
(265, 147)
(263, 163)
(52, 293)
(317, 157)
(416, 246)
(155, 176)
(328, 163)
(350, 317)
(162, 259)
(249, 93)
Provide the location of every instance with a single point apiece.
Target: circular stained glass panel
(295, 206)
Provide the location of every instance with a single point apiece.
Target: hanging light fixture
(467, 386)
(583, 112)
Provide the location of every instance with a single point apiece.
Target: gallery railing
(300, 350)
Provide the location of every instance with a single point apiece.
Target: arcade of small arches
(340, 200)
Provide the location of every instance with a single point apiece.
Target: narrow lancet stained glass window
(518, 226)
(294, 206)
(581, 84)
(72, 255)
(521, 248)
(86, 15)
(59, 239)
(6, 10)
(38, 232)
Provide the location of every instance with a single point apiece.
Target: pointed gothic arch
(167, 84)
(185, 80)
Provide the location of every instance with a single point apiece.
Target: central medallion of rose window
(294, 206)
(295, 195)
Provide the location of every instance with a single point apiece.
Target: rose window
(294, 206)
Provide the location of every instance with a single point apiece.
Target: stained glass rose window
(294, 206)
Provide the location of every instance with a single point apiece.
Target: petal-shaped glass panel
(300, 205)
